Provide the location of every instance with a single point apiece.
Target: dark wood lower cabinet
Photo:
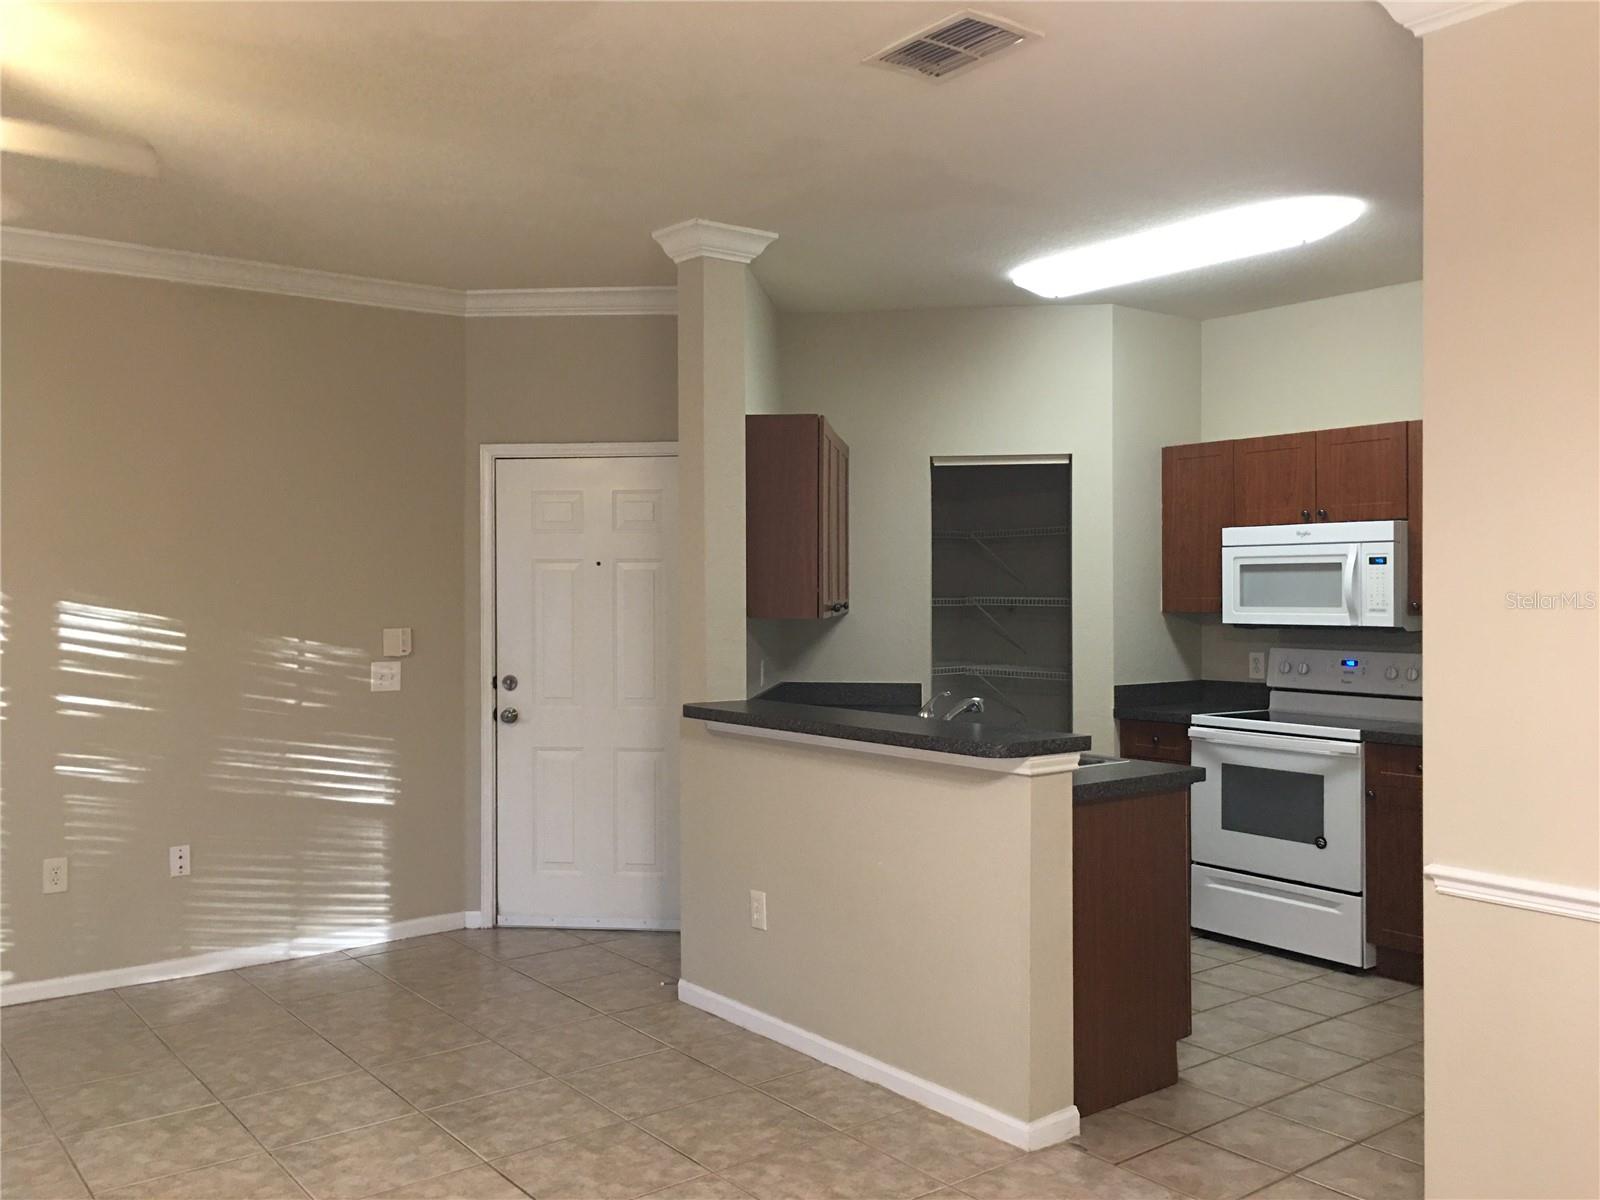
(1130, 928)
(1162, 741)
(1394, 859)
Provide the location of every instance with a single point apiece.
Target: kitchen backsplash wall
(1225, 649)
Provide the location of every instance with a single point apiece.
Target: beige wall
(213, 502)
(886, 933)
(901, 387)
(1512, 239)
(550, 379)
(1346, 360)
(1155, 381)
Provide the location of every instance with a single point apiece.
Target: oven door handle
(1273, 741)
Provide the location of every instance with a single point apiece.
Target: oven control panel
(1363, 672)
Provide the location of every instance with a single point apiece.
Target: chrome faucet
(970, 704)
(927, 709)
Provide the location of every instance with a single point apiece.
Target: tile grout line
(50, 1125)
(203, 1084)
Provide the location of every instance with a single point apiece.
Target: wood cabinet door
(1361, 473)
(833, 535)
(1162, 741)
(783, 486)
(1394, 847)
(1275, 479)
(1196, 504)
(1414, 515)
(1130, 946)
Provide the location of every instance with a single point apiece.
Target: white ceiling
(527, 145)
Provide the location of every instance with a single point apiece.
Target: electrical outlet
(386, 676)
(1258, 664)
(178, 860)
(758, 910)
(55, 875)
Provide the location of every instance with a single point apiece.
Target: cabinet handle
(1416, 606)
(1305, 514)
(1371, 794)
(1155, 739)
(1322, 514)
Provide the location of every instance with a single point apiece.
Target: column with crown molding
(713, 297)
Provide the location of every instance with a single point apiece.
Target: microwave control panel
(1367, 672)
(1377, 581)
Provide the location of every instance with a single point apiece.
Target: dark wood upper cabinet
(1275, 479)
(1414, 514)
(1361, 473)
(1197, 498)
(1394, 849)
(797, 518)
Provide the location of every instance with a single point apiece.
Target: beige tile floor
(557, 1064)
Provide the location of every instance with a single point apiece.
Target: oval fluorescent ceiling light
(1223, 236)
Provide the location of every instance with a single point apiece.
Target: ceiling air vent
(951, 46)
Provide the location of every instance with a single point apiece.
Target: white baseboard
(540, 921)
(1025, 1135)
(473, 920)
(225, 960)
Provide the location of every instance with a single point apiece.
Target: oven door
(1291, 585)
(1280, 806)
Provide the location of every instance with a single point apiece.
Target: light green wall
(902, 387)
(1155, 382)
(1346, 360)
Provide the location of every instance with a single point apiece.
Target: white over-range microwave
(1350, 573)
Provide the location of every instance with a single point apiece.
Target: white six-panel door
(586, 775)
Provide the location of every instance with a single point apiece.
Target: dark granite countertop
(1114, 780)
(869, 697)
(1181, 699)
(975, 739)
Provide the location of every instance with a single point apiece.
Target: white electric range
(1277, 828)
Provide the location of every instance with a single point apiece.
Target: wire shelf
(997, 535)
(1003, 671)
(1002, 602)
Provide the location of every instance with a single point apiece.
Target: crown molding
(70, 252)
(1423, 17)
(699, 238)
(574, 302)
(73, 253)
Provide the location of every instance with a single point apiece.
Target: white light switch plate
(386, 677)
(397, 642)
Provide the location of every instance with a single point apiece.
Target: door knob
(509, 683)
(508, 716)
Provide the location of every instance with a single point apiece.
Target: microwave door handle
(1273, 741)
(1351, 560)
